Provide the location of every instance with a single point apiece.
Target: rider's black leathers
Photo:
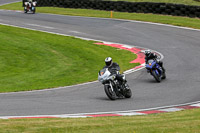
(154, 57)
(114, 69)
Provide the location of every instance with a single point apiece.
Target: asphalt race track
(179, 46)
(2, 2)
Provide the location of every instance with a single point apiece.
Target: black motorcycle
(113, 88)
(29, 7)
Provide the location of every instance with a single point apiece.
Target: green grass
(32, 60)
(185, 2)
(173, 20)
(177, 122)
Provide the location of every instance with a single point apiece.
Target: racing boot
(163, 69)
(161, 65)
(124, 79)
(163, 74)
(126, 87)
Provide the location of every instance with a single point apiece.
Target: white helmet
(108, 61)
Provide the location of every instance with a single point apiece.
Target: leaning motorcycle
(155, 70)
(29, 7)
(113, 88)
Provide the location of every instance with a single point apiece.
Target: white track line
(36, 25)
(164, 109)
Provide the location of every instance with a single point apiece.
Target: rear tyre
(164, 76)
(111, 94)
(128, 92)
(158, 79)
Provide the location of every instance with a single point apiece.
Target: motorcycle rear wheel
(128, 92)
(111, 94)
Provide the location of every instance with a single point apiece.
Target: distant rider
(149, 55)
(30, 3)
(114, 68)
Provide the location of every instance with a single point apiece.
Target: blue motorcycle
(155, 70)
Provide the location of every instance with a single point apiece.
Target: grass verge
(180, 122)
(172, 20)
(32, 60)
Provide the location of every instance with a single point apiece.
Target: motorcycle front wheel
(157, 78)
(111, 94)
(25, 10)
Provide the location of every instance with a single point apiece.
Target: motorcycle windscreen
(103, 74)
(151, 64)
